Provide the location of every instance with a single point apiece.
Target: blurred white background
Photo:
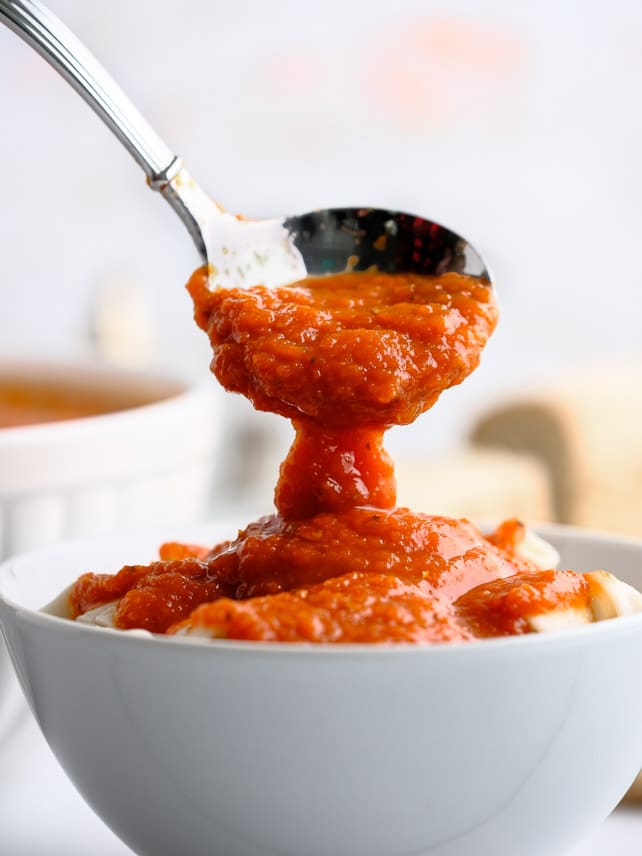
(517, 124)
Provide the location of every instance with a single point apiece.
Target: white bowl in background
(148, 464)
(514, 746)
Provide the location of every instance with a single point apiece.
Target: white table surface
(41, 814)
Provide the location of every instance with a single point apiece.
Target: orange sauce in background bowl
(32, 401)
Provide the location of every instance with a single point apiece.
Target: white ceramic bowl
(511, 746)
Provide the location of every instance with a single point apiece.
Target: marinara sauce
(344, 357)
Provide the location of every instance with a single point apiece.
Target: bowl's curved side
(516, 748)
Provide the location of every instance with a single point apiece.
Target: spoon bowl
(240, 252)
(278, 251)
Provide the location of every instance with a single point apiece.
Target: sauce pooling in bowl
(344, 357)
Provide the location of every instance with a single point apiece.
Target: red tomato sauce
(344, 357)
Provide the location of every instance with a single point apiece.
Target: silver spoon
(241, 252)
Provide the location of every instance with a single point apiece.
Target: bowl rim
(171, 390)
(227, 647)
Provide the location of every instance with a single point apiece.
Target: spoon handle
(46, 33)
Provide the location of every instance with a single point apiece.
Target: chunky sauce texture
(344, 357)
